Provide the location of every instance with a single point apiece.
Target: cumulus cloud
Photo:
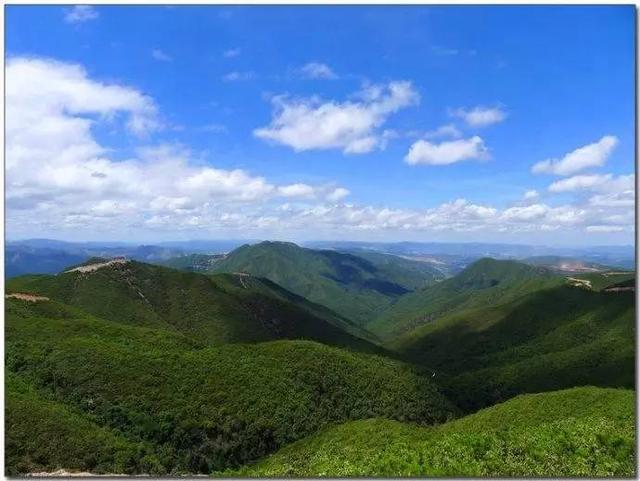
(592, 155)
(444, 153)
(60, 178)
(160, 56)
(80, 14)
(55, 163)
(480, 116)
(531, 194)
(337, 194)
(315, 70)
(351, 126)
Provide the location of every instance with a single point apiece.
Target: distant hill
(193, 262)
(566, 264)
(21, 260)
(44, 256)
(351, 285)
(485, 282)
(211, 309)
(152, 400)
(577, 432)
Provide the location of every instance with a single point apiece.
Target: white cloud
(592, 155)
(55, 164)
(604, 228)
(159, 55)
(237, 76)
(448, 130)
(530, 212)
(61, 179)
(531, 194)
(315, 70)
(296, 190)
(231, 53)
(480, 116)
(594, 182)
(352, 126)
(337, 194)
(579, 182)
(618, 199)
(80, 14)
(424, 152)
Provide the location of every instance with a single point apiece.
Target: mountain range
(280, 360)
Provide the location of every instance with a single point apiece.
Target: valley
(280, 360)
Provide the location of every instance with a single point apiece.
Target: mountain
(352, 286)
(566, 264)
(193, 262)
(558, 335)
(573, 433)
(154, 400)
(45, 256)
(211, 309)
(483, 283)
(21, 260)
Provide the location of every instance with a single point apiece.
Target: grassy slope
(352, 286)
(200, 409)
(485, 282)
(212, 309)
(578, 432)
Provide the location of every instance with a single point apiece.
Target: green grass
(355, 287)
(214, 309)
(577, 432)
(198, 409)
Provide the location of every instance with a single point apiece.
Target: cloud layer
(61, 178)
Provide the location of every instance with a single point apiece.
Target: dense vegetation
(134, 368)
(357, 288)
(183, 407)
(577, 432)
(212, 309)
(535, 334)
(484, 283)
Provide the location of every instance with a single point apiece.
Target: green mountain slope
(485, 282)
(550, 339)
(184, 407)
(212, 309)
(355, 287)
(33, 421)
(578, 432)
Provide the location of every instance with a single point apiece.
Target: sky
(389, 123)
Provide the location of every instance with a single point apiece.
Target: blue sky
(325, 122)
